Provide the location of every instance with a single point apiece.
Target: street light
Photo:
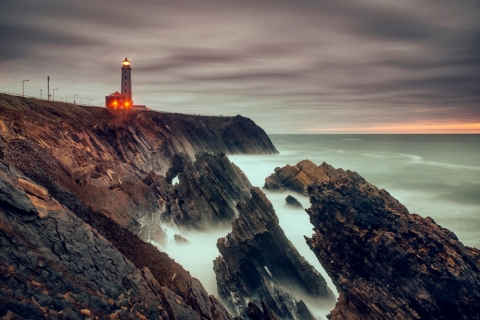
(53, 91)
(41, 96)
(89, 102)
(74, 98)
(23, 87)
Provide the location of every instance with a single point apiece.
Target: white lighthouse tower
(127, 82)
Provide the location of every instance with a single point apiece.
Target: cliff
(79, 184)
(258, 262)
(53, 265)
(102, 156)
(385, 262)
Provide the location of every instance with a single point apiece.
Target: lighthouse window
(125, 90)
(125, 78)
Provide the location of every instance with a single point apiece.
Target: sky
(304, 66)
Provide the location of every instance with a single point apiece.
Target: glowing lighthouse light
(126, 62)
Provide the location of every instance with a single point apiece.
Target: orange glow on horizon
(419, 128)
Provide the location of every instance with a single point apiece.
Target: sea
(432, 175)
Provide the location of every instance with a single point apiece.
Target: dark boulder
(179, 239)
(293, 202)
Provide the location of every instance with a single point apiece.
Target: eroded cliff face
(102, 156)
(258, 262)
(385, 262)
(53, 265)
(206, 194)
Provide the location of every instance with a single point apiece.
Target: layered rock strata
(386, 262)
(102, 156)
(299, 177)
(53, 265)
(258, 262)
(206, 194)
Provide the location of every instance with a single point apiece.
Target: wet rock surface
(258, 261)
(53, 265)
(386, 262)
(293, 202)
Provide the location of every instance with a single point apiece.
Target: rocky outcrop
(299, 177)
(102, 156)
(293, 202)
(206, 194)
(258, 262)
(53, 265)
(385, 262)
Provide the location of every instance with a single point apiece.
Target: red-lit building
(123, 99)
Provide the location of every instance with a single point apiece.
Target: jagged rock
(179, 239)
(257, 260)
(206, 194)
(293, 202)
(385, 262)
(299, 177)
(53, 265)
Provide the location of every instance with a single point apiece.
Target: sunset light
(406, 128)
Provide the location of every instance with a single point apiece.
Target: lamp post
(23, 87)
(53, 91)
(74, 98)
(89, 102)
(48, 86)
(41, 96)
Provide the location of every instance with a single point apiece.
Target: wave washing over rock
(385, 262)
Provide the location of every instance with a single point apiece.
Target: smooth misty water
(432, 175)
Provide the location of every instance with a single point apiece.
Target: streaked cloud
(288, 65)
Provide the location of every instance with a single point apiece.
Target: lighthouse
(127, 82)
(123, 99)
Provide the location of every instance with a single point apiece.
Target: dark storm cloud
(290, 65)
